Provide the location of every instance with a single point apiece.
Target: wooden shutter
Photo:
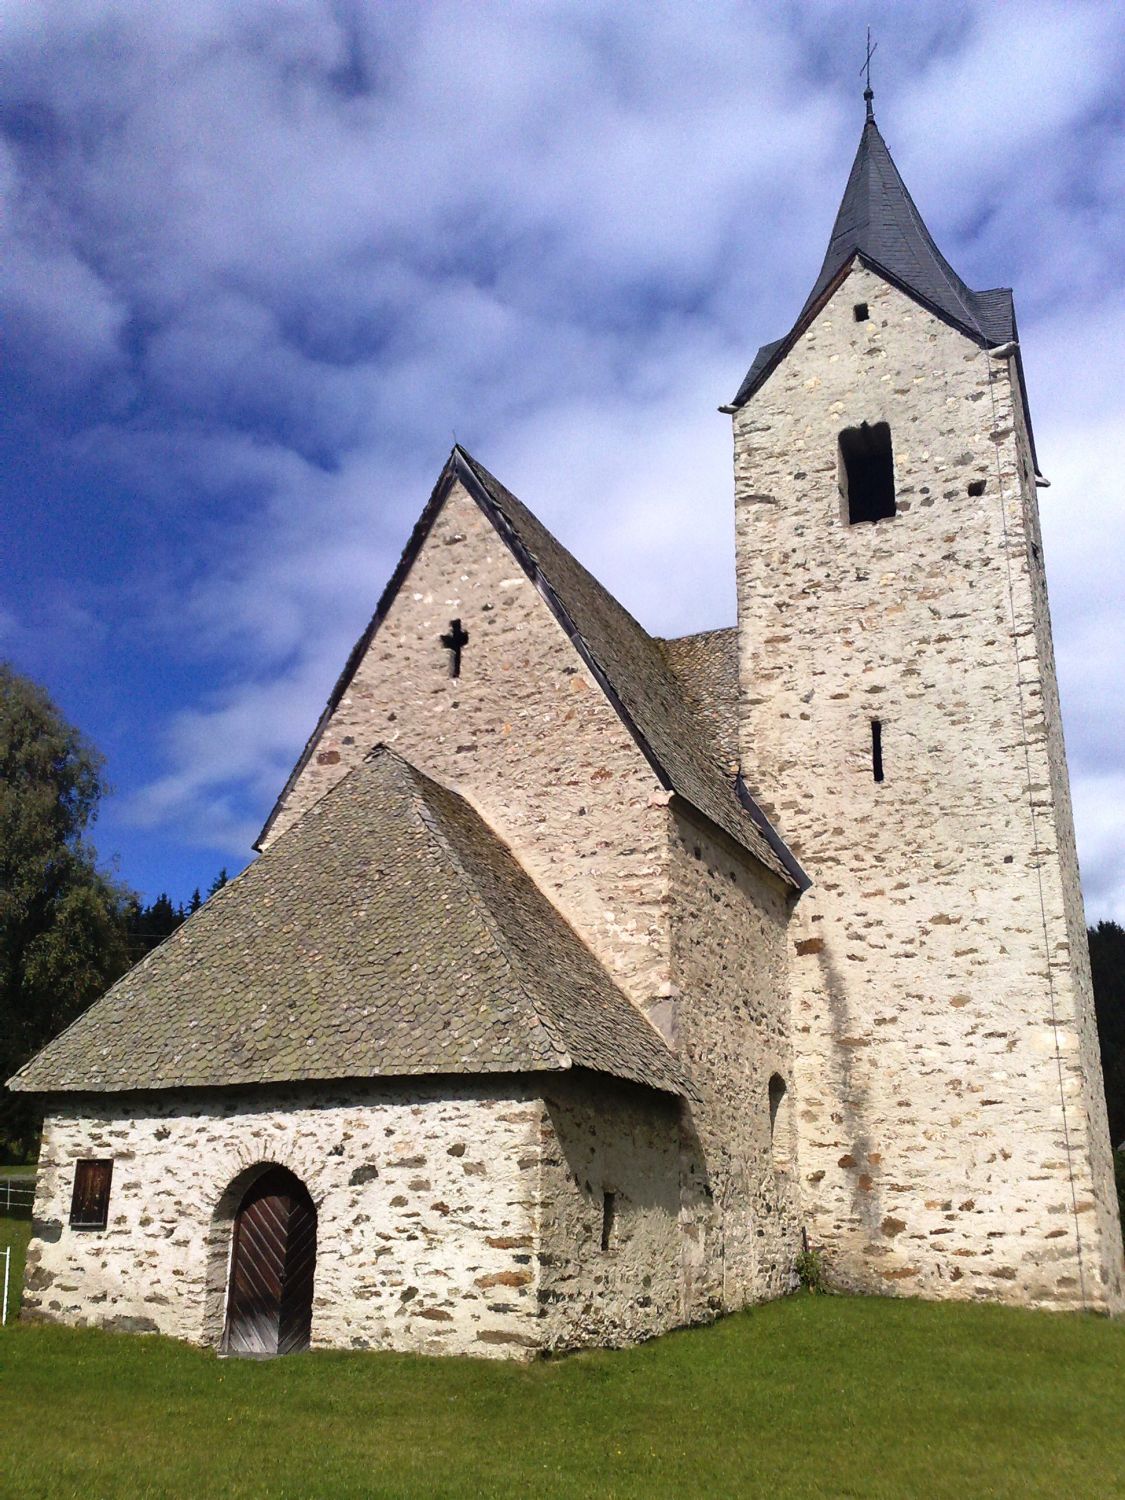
(89, 1206)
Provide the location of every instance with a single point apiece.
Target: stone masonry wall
(524, 733)
(730, 921)
(601, 1136)
(940, 1012)
(426, 1196)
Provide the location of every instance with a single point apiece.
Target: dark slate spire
(878, 223)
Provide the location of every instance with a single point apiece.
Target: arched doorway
(273, 1261)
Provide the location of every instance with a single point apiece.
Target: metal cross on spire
(868, 93)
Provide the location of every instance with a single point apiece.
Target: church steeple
(878, 224)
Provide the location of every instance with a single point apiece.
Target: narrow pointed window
(781, 1123)
(609, 1219)
(867, 472)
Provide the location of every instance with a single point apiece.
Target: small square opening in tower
(861, 312)
(867, 472)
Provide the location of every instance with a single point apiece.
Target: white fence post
(7, 1268)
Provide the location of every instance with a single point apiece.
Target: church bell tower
(899, 720)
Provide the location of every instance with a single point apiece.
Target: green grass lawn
(14, 1232)
(805, 1398)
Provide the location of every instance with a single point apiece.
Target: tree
(1107, 965)
(148, 926)
(62, 929)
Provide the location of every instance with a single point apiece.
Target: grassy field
(14, 1232)
(811, 1397)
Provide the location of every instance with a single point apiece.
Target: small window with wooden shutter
(89, 1207)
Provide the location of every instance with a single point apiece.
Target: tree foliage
(1107, 964)
(62, 938)
(147, 926)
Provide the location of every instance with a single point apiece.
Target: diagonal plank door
(295, 1314)
(273, 1261)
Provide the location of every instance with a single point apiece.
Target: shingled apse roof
(879, 223)
(387, 933)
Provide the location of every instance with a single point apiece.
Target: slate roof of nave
(388, 932)
(878, 221)
(706, 667)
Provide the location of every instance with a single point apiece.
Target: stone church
(585, 977)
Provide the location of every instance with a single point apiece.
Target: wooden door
(273, 1263)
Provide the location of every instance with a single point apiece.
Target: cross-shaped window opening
(453, 641)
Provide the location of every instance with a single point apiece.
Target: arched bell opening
(272, 1267)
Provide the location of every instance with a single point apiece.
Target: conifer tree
(1107, 965)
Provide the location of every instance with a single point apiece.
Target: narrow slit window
(867, 472)
(861, 312)
(609, 1219)
(877, 749)
(780, 1122)
(89, 1205)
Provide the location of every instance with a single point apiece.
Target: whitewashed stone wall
(450, 1220)
(525, 734)
(938, 1027)
(426, 1197)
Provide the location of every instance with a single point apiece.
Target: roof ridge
(695, 635)
(435, 822)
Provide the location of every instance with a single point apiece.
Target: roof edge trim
(800, 876)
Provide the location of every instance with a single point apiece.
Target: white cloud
(299, 244)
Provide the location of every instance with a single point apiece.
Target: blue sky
(260, 262)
